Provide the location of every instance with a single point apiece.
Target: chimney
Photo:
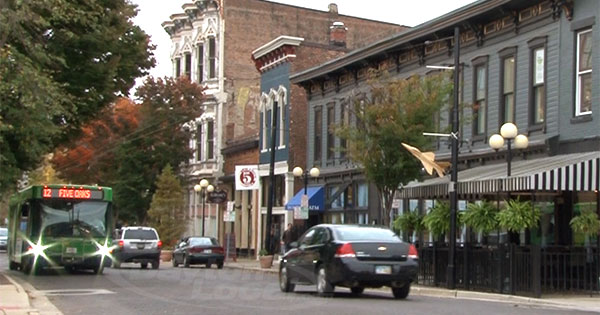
(333, 8)
(337, 34)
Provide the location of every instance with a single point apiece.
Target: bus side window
(24, 217)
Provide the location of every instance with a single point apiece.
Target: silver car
(137, 244)
(3, 238)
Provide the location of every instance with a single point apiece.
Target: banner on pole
(246, 177)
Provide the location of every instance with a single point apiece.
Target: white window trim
(265, 104)
(578, 86)
(282, 102)
(202, 122)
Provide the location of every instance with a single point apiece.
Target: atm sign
(71, 193)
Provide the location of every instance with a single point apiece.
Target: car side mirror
(293, 245)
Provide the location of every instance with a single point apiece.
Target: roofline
(276, 43)
(440, 23)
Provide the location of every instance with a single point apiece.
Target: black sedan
(349, 256)
(198, 250)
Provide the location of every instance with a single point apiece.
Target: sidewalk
(571, 302)
(17, 300)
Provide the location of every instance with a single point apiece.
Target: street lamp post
(508, 132)
(204, 187)
(298, 171)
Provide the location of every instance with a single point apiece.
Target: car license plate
(208, 251)
(140, 246)
(71, 250)
(383, 270)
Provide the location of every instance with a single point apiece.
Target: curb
(466, 295)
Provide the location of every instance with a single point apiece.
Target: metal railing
(512, 269)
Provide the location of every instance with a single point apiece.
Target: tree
(60, 63)
(161, 138)
(393, 111)
(90, 159)
(45, 174)
(166, 212)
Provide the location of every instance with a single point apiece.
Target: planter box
(165, 255)
(266, 261)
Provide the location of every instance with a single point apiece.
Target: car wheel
(98, 269)
(401, 292)
(324, 288)
(284, 281)
(357, 290)
(186, 262)
(144, 265)
(175, 263)
(155, 264)
(208, 265)
(220, 265)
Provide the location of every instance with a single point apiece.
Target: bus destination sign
(72, 193)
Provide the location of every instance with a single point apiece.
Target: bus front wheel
(13, 265)
(98, 269)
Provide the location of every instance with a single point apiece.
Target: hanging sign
(246, 177)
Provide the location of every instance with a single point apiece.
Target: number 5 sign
(246, 177)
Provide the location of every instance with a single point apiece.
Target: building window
(583, 101)
(212, 53)
(480, 101)
(330, 135)
(200, 63)
(282, 101)
(363, 195)
(210, 140)
(538, 88)
(343, 123)
(188, 65)
(508, 90)
(318, 131)
(199, 155)
(279, 191)
(177, 67)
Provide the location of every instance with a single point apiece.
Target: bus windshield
(62, 218)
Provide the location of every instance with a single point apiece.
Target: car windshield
(3, 232)
(140, 234)
(198, 241)
(356, 233)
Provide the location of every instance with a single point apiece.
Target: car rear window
(356, 233)
(140, 234)
(203, 241)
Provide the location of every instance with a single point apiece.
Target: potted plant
(266, 260)
(519, 215)
(481, 217)
(437, 221)
(409, 222)
(587, 223)
(167, 252)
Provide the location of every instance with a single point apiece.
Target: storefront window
(586, 202)
(363, 195)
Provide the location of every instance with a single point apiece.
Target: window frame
(539, 43)
(579, 74)
(480, 62)
(200, 62)
(318, 134)
(330, 134)
(177, 67)
(187, 65)
(505, 54)
(212, 57)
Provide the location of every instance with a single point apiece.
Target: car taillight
(121, 244)
(412, 252)
(345, 250)
(159, 244)
(196, 249)
(218, 250)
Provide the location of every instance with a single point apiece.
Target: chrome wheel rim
(321, 280)
(283, 277)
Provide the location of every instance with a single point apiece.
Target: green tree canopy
(166, 212)
(391, 112)
(161, 138)
(60, 63)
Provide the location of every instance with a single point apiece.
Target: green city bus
(60, 225)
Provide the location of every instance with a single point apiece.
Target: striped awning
(567, 172)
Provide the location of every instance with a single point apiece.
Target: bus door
(22, 229)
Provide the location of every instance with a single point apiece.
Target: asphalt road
(229, 291)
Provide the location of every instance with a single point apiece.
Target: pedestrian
(287, 238)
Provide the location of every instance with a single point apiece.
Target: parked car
(198, 250)
(3, 238)
(351, 256)
(137, 244)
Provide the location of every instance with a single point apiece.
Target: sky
(405, 12)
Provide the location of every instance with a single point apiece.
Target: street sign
(217, 196)
(301, 212)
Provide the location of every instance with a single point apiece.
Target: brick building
(211, 43)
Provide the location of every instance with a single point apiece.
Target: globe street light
(298, 171)
(508, 132)
(204, 187)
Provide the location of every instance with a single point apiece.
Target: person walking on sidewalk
(287, 238)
